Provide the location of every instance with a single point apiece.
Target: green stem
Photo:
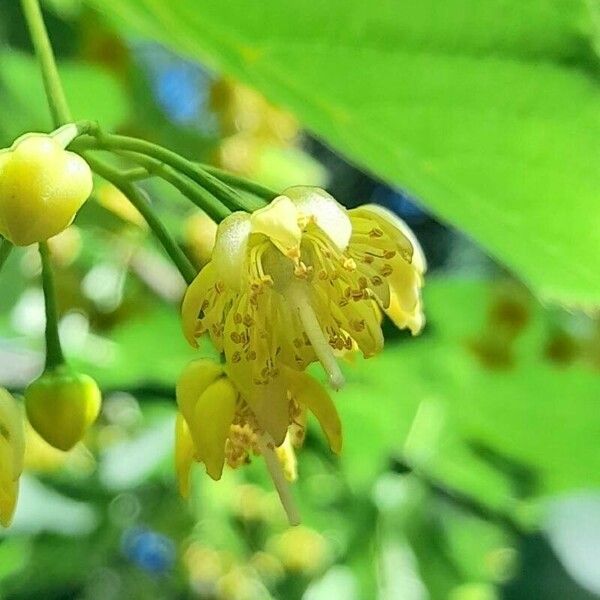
(54, 354)
(61, 115)
(228, 196)
(5, 249)
(198, 195)
(136, 197)
(247, 185)
(43, 49)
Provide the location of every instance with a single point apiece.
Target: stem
(241, 183)
(54, 353)
(228, 196)
(5, 249)
(281, 485)
(43, 49)
(136, 197)
(198, 195)
(61, 115)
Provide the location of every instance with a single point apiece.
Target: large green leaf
(488, 112)
(504, 432)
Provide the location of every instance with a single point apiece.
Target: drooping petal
(192, 383)
(8, 502)
(9, 483)
(270, 405)
(212, 420)
(405, 307)
(13, 430)
(184, 455)
(231, 246)
(329, 215)
(279, 222)
(397, 229)
(311, 394)
(194, 300)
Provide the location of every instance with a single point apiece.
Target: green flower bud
(61, 405)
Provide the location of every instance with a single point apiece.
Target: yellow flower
(217, 424)
(42, 186)
(12, 450)
(300, 279)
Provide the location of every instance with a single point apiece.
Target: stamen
(265, 444)
(297, 297)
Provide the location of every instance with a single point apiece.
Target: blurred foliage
(460, 445)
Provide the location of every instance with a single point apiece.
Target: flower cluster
(298, 281)
(216, 423)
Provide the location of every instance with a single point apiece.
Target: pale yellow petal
(311, 394)
(12, 429)
(9, 485)
(270, 405)
(213, 416)
(192, 383)
(279, 222)
(329, 215)
(405, 307)
(396, 228)
(184, 455)
(231, 248)
(8, 502)
(193, 300)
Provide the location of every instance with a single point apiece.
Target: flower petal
(279, 222)
(329, 215)
(212, 420)
(231, 245)
(405, 307)
(13, 430)
(192, 383)
(192, 302)
(184, 455)
(310, 393)
(396, 228)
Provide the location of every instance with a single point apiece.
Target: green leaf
(92, 93)
(487, 112)
(508, 431)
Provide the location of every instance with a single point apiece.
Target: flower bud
(42, 186)
(61, 405)
(12, 450)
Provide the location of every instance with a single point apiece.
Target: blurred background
(471, 462)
